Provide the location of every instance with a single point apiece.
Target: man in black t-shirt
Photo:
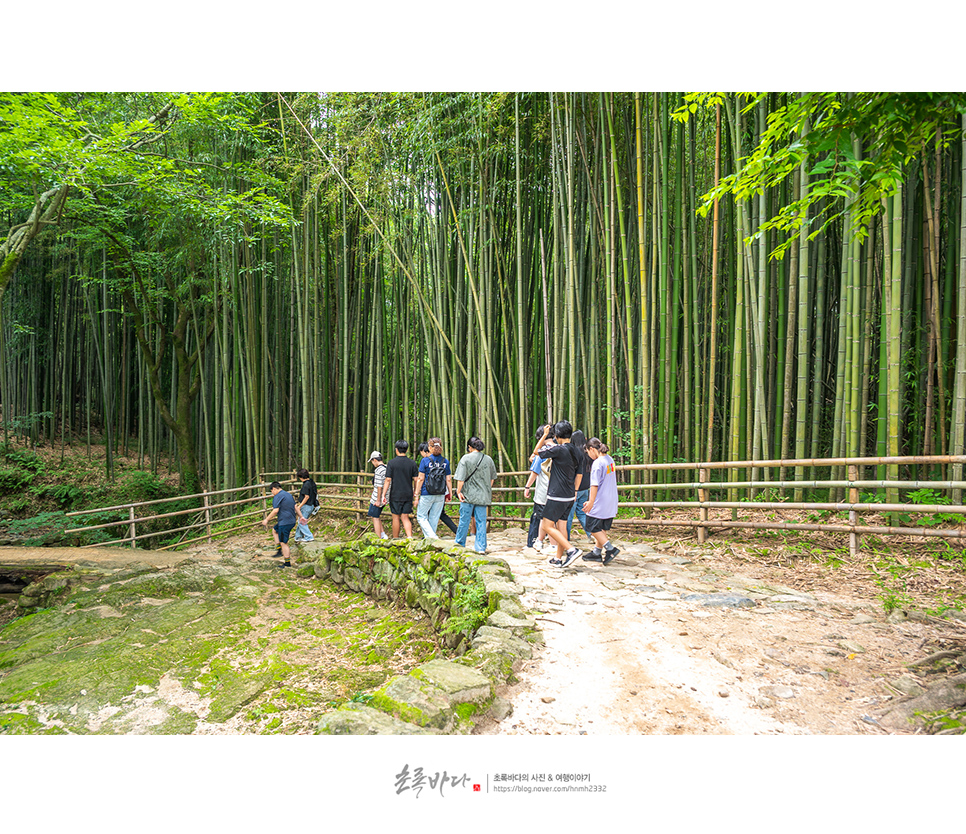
(307, 506)
(561, 492)
(401, 471)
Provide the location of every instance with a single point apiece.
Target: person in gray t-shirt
(474, 478)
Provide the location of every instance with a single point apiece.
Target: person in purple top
(601, 505)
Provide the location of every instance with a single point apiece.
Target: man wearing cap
(283, 505)
(376, 500)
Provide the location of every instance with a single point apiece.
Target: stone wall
(474, 604)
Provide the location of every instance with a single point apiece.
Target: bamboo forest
(253, 282)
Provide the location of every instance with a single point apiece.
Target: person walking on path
(376, 500)
(401, 471)
(434, 481)
(283, 506)
(475, 474)
(539, 474)
(443, 516)
(561, 491)
(601, 506)
(579, 441)
(307, 506)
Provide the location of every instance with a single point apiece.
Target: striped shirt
(378, 479)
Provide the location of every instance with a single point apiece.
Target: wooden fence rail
(348, 492)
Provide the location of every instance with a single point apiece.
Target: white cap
(375, 456)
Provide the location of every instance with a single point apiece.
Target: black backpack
(436, 476)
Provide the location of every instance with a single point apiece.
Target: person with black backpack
(434, 482)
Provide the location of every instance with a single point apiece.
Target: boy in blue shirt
(283, 506)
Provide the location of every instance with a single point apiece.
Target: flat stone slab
(490, 638)
(500, 619)
(459, 682)
(495, 583)
(101, 557)
(720, 600)
(778, 691)
(359, 720)
(659, 594)
(419, 701)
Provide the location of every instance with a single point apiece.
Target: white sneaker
(538, 546)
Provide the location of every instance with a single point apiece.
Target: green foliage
(138, 486)
(39, 530)
(931, 497)
(620, 421)
(23, 459)
(771, 495)
(13, 479)
(470, 608)
(67, 495)
(818, 129)
(893, 600)
(928, 496)
(25, 424)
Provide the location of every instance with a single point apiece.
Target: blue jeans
(428, 512)
(478, 512)
(578, 510)
(303, 533)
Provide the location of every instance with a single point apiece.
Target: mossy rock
(361, 720)
(416, 702)
(460, 683)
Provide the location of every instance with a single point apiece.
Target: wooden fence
(348, 493)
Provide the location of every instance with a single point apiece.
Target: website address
(549, 788)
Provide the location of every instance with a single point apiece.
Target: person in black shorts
(401, 472)
(283, 506)
(561, 492)
(376, 500)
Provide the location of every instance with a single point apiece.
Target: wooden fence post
(131, 526)
(703, 512)
(854, 538)
(207, 516)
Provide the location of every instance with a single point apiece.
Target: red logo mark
(476, 787)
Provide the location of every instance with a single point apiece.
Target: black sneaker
(593, 556)
(572, 556)
(611, 553)
(555, 563)
(277, 554)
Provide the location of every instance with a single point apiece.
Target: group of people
(574, 476)
(426, 486)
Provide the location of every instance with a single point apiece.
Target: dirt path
(627, 652)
